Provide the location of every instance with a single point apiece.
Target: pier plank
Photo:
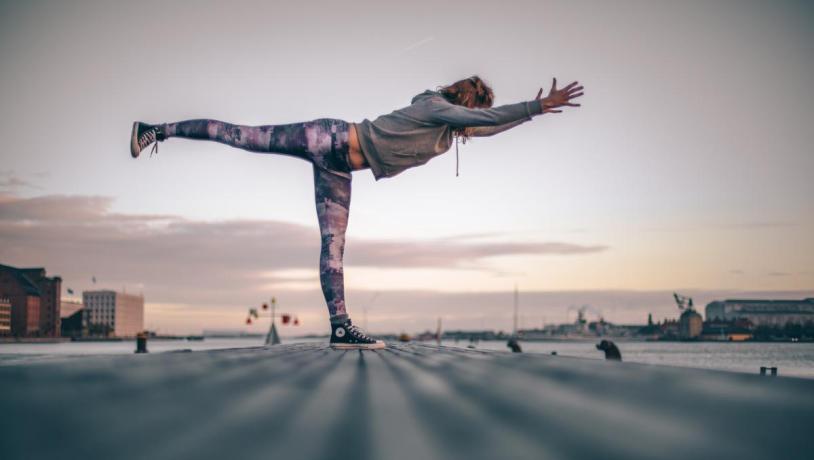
(406, 401)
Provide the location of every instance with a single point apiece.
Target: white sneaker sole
(134, 150)
(359, 346)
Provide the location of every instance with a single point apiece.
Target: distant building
(24, 296)
(736, 330)
(69, 307)
(71, 319)
(762, 312)
(112, 313)
(72, 325)
(35, 300)
(5, 316)
(690, 324)
(50, 300)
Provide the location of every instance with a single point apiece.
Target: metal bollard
(773, 370)
(141, 342)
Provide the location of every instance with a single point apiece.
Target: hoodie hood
(425, 95)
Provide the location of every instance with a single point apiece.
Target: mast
(514, 326)
(273, 338)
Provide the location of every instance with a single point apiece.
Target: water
(26, 352)
(791, 359)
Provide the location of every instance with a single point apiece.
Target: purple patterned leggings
(324, 143)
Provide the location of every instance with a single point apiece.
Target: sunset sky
(688, 167)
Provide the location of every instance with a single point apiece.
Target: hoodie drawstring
(456, 156)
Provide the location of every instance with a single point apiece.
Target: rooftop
(28, 285)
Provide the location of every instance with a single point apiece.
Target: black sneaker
(346, 336)
(144, 135)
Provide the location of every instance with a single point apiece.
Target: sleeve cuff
(533, 108)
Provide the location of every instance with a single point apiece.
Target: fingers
(539, 94)
(562, 97)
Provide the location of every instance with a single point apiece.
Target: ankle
(339, 319)
(162, 132)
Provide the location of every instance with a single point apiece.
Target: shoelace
(357, 332)
(147, 138)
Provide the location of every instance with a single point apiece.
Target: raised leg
(321, 141)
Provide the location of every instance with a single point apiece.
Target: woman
(388, 145)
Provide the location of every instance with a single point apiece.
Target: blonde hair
(470, 92)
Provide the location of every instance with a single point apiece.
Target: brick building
(35, 301)
(5, 316)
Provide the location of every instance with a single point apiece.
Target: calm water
(791, 359)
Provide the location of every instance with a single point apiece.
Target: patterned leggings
(324, 143)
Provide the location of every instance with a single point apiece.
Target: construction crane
(683, 302)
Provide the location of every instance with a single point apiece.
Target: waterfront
(792, 359)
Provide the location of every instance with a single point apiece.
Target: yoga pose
(388, 145)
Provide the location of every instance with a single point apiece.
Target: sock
(339, 319)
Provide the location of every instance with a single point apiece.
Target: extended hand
(559, 97)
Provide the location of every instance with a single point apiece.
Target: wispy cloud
(417, 44)
(180, 260)
(10, 182)
(752, 225)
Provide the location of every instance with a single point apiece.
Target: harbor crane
(683, 302)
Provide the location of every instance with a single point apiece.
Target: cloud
(178, 260)
(736, 272)
(760, 224)
(10, 182)
(779, 274)
(417, 44)
(54, 208)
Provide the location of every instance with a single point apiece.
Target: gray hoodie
(415, 134)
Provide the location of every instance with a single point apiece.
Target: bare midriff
(357, 160)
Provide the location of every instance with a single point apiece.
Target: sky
(687, 168)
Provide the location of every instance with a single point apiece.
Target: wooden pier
(412, 401)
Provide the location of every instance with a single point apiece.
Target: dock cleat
(346, 336)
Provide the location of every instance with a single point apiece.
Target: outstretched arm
(443, 112)
(485, 131)
(556, 98)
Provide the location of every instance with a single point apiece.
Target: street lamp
(272, 338)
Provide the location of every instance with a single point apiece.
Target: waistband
(339, 163)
